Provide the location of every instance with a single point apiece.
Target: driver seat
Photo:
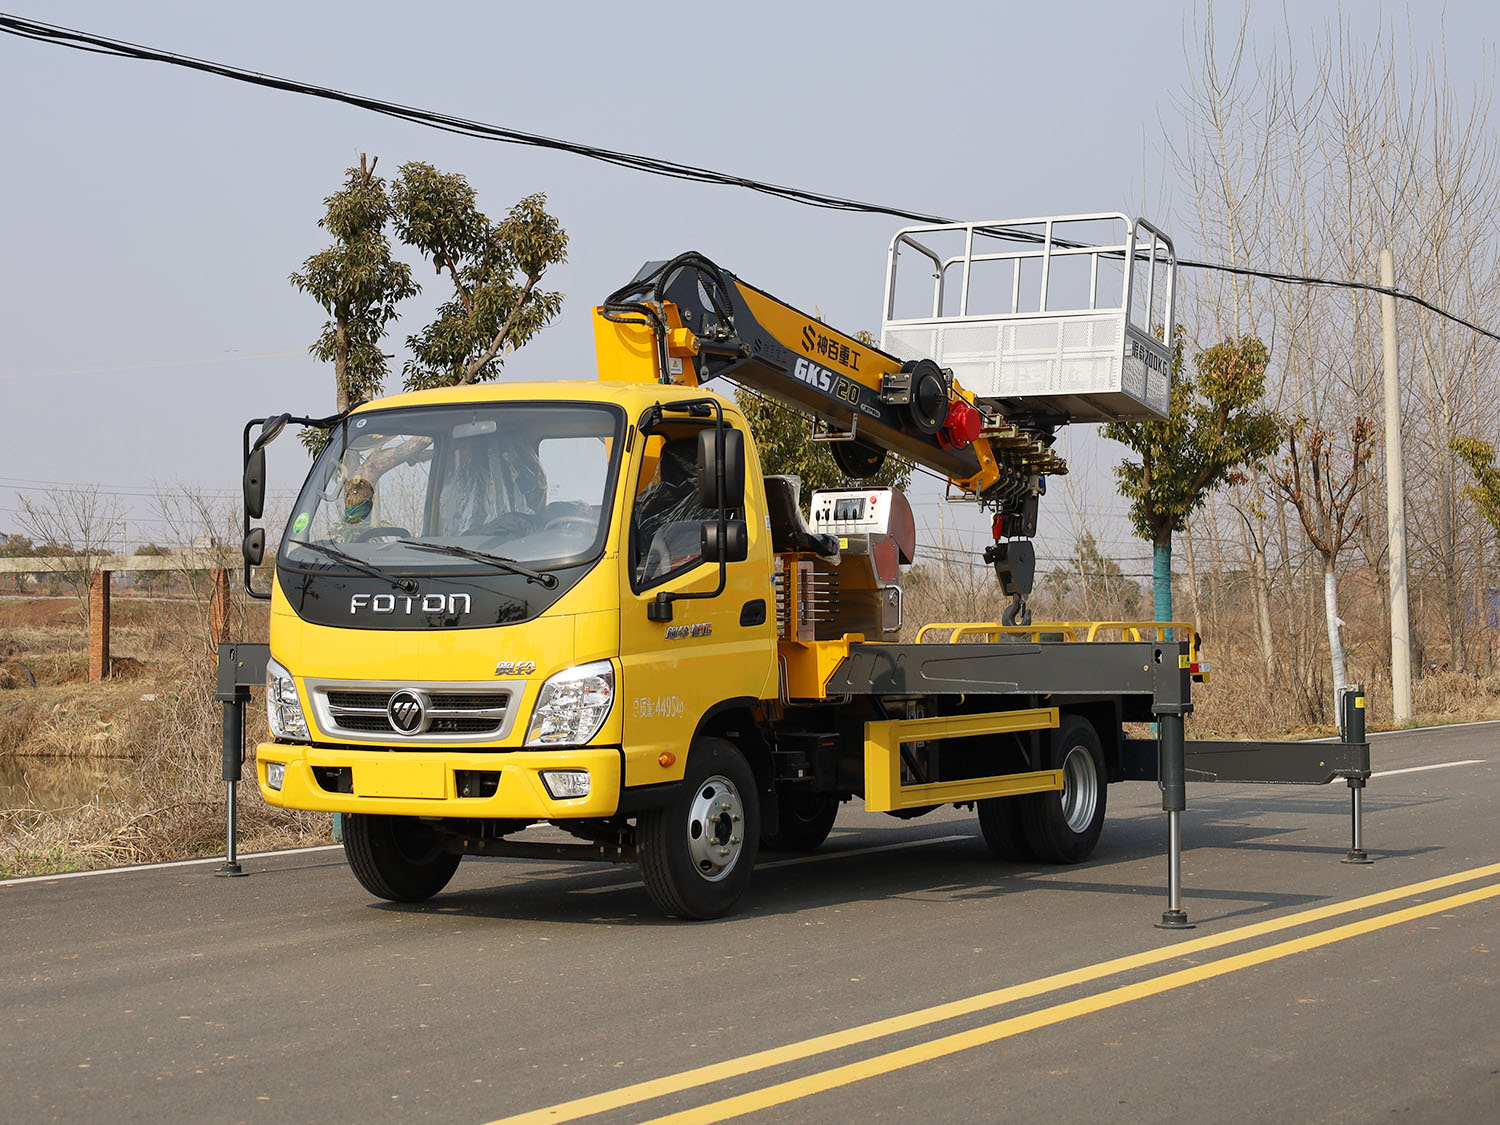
(789, 530)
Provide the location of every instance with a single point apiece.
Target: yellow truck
(589, 604)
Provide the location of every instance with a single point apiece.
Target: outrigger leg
(1353, 728)
(241, 666)
(1172, 775)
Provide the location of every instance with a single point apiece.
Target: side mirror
(736, 541)
(254, 546)
(255, 483)
(734, 468)
(270, 429)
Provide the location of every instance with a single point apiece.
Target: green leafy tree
(1484, 493)
(494, 268)
(1212, 433)
(359, 284)
(16, 547)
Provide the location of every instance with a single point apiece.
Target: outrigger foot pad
(1175, 920)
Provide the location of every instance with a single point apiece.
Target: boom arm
(688, 321)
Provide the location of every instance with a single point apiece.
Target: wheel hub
(716, 820)
(1080, 795)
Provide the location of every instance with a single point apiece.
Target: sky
(152, 214)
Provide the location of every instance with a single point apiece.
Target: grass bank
(127, 771)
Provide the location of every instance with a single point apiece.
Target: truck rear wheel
(697, 853)
(396, 857)
(804, 820)
(1064, 827)
(1000, 825)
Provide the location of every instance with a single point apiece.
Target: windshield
(526, 482)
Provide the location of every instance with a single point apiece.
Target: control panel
(866, 511)
(856, 511)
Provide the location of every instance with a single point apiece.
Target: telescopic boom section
(687, 321)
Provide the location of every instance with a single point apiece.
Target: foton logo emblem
(405, 711)
(449, 605)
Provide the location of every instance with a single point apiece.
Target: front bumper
(416, 783)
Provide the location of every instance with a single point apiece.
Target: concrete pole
(1395, 503)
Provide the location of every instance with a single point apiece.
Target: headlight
(275, 775)
(283, 707)
(573, 705)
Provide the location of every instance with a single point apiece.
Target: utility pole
(1395, 503)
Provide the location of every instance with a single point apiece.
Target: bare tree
(1323, 489)
(1309, 156)
(80, 521)
(207, 525)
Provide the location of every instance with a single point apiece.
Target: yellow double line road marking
(950, 1044)
(1004, 1029)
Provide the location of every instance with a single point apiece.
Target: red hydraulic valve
(961, 426)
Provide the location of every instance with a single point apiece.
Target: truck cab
(498, 606)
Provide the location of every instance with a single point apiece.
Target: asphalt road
(898, 974)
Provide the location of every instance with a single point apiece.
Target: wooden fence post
(99, 626)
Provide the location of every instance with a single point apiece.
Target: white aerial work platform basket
(1064, 316)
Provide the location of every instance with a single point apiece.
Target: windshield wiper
(548, 581)
(406, 585)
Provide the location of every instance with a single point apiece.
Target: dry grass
(1241, 701)
(153, 731)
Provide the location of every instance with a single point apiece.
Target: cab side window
(666, 525)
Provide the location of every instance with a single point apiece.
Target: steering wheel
(382, 533)
(577, 523)
(507, 523)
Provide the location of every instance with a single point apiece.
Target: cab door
(715, 649)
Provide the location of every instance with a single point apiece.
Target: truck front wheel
(698, 852)
(397, 857)
(1064, 827)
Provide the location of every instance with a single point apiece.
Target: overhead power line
(77, 40)
(99, 44)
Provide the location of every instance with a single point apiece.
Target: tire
(804, 819)
(1064, 827)
(396, 857)
(1000, 817)
(1000, 825)
(698, 852)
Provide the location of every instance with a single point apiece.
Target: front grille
(463, 726)
(369, 724)
(461, 701)
(366, 699)
(468, 714)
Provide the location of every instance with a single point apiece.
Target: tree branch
(472, 369)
